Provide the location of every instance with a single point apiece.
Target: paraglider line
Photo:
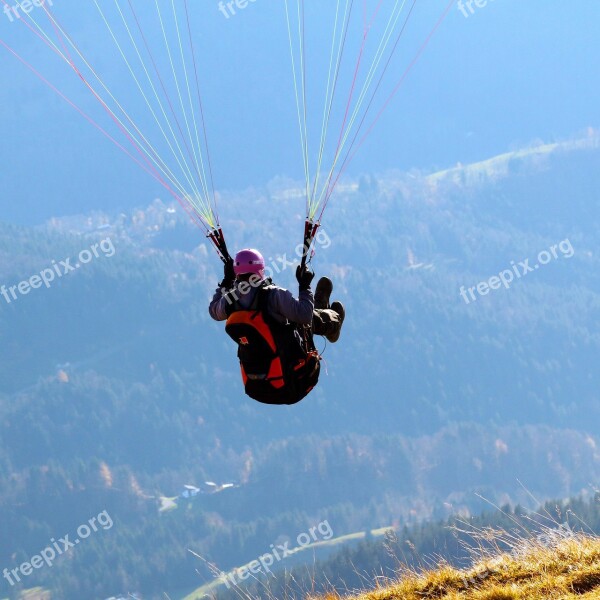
(48, 42)
(155, 173)
(373, 95)
(358, 106)
(356, 71)
(84, 115)
(393, 94)
(193, 112)
(210, 169)
(331, 89)
(163, 87)
(71, 103)
(180, 159)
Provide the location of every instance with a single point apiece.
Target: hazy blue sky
(510, 72)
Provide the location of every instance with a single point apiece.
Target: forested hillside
(116, 388)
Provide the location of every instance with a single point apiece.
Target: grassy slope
(568, 570)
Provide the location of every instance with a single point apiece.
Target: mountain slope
(117, 389)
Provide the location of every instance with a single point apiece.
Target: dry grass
(568, 569)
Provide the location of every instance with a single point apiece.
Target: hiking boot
(323, 292)
(337, 307)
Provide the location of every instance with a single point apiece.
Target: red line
(195, 217)
(164, 90)
(375, 13)
(35, 32)
(87, 117)
(409, 69)
(304, 109)
(392, 95)
(362, 49)
(57, 52)
(152, 172)
(335, 83)
(356, 69)
(373, 95)
(210, 169)
(71, 103)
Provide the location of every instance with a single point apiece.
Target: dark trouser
(325, 322)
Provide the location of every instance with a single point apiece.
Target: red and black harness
(279, 361)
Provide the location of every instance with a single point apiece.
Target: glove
(304, 277)
(229, 274)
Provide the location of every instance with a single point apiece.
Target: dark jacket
(282, 305)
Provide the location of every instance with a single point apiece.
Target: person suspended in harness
(274, 330)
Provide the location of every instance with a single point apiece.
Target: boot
(323, 292)
(337, 307)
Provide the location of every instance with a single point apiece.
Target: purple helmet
(249, 261)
